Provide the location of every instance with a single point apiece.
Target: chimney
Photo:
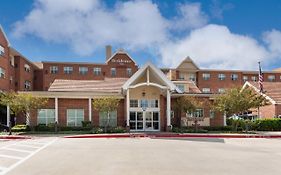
(108, 51)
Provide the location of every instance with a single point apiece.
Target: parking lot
(49, 156)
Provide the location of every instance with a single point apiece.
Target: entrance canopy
(149, 75)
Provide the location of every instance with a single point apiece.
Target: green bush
(188, 130)
(43, 127)
(86, 123)
(217, 128)
(117, 129)
(268, 124)
(20, 128)
(74, 128)
(97, 130)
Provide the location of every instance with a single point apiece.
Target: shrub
(75, 128)
(86, 123)
(117, 129)
(43, 127)
(20, 128)
(268, 125)
(217, 128)
(188, 130)
(97, 130)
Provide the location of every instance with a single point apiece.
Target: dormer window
(2, 51)
(27, 68)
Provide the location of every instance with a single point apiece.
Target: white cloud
(273, 40)
(139, 25)
(190, 16)
(214, 46)
(86, 25)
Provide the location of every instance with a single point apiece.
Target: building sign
(121, 61)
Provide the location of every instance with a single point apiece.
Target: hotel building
(146, 94)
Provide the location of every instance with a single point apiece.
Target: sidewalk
(179, 135)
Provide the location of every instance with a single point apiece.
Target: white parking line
(27, 157)
(11, 157)
(28, 146)
(18, 150)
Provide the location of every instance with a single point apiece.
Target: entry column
(168, 109)
(8, 115)
(127, 108)
(56, 110)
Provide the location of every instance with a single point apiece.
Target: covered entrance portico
(148, 100)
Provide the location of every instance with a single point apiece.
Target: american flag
(260, 78)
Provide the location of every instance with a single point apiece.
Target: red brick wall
(278, 109)
(21, 75)
(48, 78)
(4, 63)
(214, 83)
(267, 111)
(163, 109)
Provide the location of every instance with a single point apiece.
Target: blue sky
(214, 33)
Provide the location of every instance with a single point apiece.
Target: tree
(237, 101)
(190, 105)
(22, 103)
(106, 105)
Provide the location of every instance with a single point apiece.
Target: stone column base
(128, 128)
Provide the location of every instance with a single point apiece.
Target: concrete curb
(13, 137)
(127, 135)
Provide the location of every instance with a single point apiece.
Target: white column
(90, 109)
(224, 119)
(168, 108)
(8, 115)
(56, 110)
(128, 107)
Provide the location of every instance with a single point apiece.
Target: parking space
(136, 156)
(15, 152)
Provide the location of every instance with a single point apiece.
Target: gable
(151, 75)
(188, 63)
(120, 58)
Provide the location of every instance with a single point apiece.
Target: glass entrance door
(144, 121)
(151, 122)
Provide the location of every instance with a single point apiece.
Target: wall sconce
(143, 94)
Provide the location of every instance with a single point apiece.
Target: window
(206, 90)
(129, 72)
(83, 70)
(2, 51)
(134, 103)
(97, 71)
(54, 69)
(221, 90)
(103, 119)
(27, 68)
(245, 78)
(197, 113)
(212, 114)
(271, 77)
(181, 87)
(113, 72)
(192, 77)
(46, 116)
(181, 76)
(206, 76)
(11, 79)
(154, 103)
(234, 77)
(68, 70)
(27, 85)
(254, 78)
(75, 117)
(12, 61)
(2, 73)
(221, 76)
(143, 103)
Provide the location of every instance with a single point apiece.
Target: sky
(216, 34)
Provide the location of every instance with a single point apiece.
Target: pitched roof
(158, 73)
(120, 51)
(108, 85)
(1, 29)
(271, 89)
